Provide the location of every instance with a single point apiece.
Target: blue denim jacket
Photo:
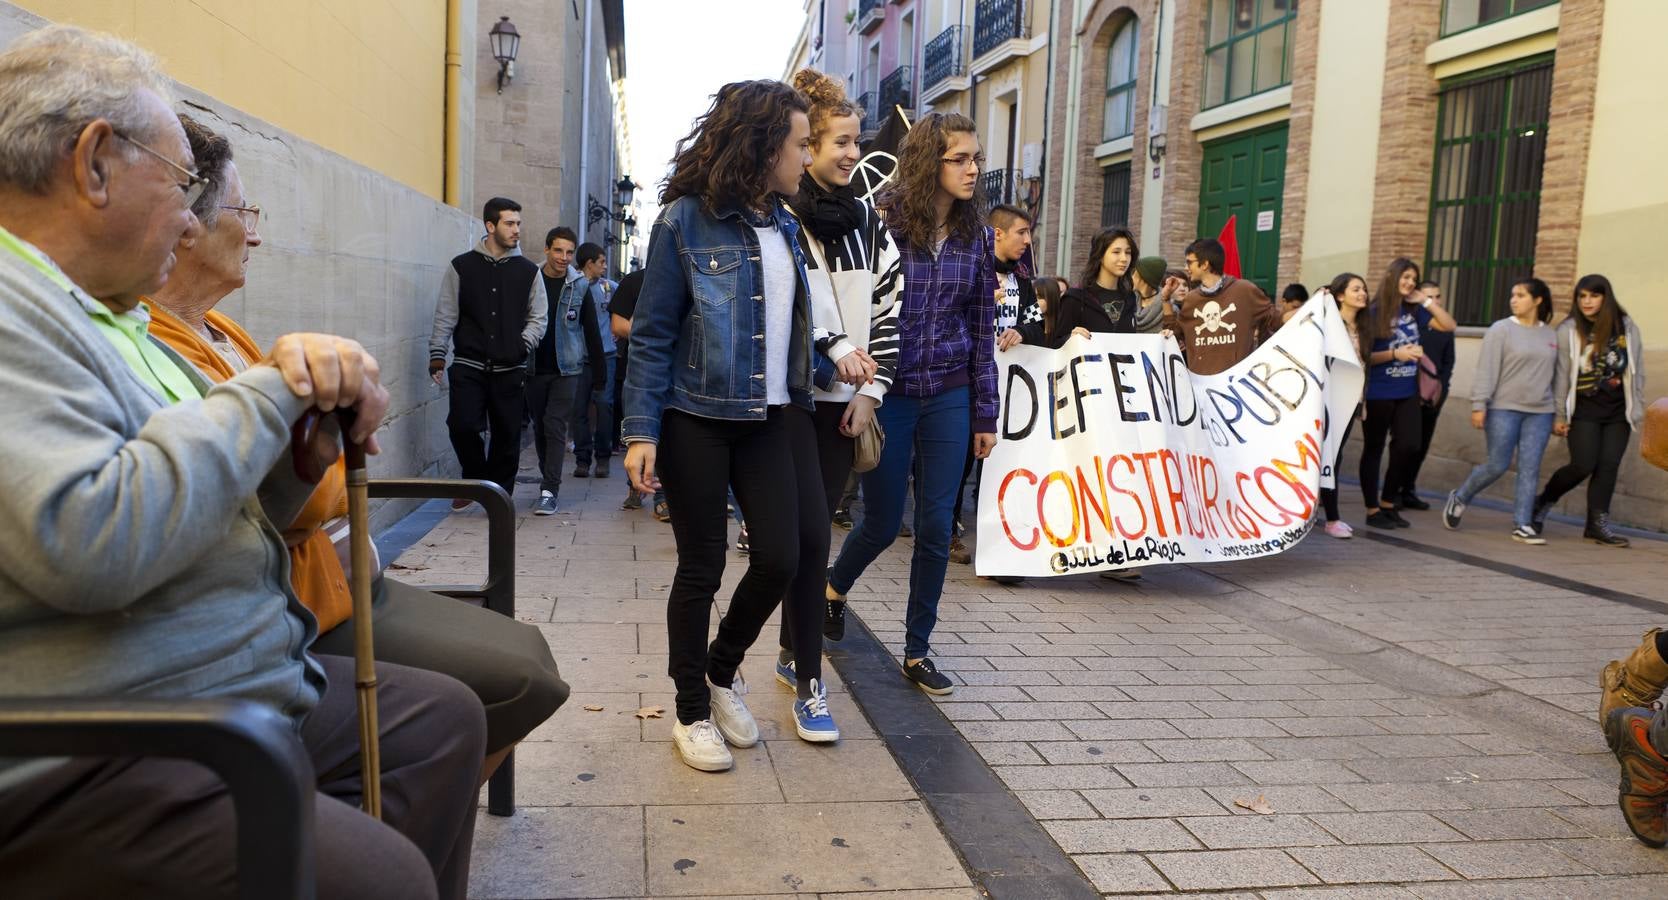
(697, 334)
(565, 328)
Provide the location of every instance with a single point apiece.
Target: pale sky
(678, 54)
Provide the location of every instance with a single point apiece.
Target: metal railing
(869, 14)
(897, 90)
(998, 185)
(996, 22)
(868, 101)
(943, 58)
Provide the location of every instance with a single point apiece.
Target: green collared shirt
(128, 332)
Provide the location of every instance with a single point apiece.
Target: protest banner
(1111, 454)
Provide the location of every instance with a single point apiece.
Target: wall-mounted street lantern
(1156, 146)
(623, 191)
(506, 42)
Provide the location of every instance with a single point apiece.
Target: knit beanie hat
(1151, 269)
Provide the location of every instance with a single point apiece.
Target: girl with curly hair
(721, 380)
(944, 392)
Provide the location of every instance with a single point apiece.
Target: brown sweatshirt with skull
(1219, 328)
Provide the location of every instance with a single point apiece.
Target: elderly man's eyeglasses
(194, 184)
(249, 215)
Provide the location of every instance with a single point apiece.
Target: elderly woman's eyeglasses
(249, 215)
(194, 184)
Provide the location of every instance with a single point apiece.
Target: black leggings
(771, 466)
(1329, 496)
(1596, 449)
(1428, 416)
(1399, 419)
(834, 454)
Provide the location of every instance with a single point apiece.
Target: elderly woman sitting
(506, 663)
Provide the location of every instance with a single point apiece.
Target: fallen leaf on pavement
(593, 709)
(651, 712)
(1259, 805)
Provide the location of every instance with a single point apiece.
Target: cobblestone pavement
(1413, 719)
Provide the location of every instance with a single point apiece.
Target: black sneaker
(1384, 518)
(1537, 521)
(1400, 522)
(927, 677)
(834, 620)
(842, 519)
(1413, 501)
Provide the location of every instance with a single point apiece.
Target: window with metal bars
(1486, 186)
(1114, 196)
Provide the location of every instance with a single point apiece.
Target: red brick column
(1184, 155)
(1407, 138)
(1570, 129)
(1305, 46)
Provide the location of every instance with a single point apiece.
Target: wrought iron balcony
(996, 22)
(943, 58)
(868, 101)
(897, 90)
(998, 185)
(870, 13)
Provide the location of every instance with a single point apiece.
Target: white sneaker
(732, 716)
(702, 747)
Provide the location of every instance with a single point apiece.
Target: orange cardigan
(315, 569)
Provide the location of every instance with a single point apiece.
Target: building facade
(370, 135)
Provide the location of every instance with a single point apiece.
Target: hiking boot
(582, 470)
(959, 553)
(927, 677)
(1598, 531)
(1635, 681)
(601, 471)
(1643, 792)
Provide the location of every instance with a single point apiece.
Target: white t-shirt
(1007, 308)
(779, 283)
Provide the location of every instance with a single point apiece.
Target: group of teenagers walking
(1583, 380)
(781, 316)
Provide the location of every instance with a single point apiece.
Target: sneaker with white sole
(811, 717)
(1452, 511)
(1340, 529)
(732, 717)
(546, 505)
(1525, 534)
(784, 674)
(702, 747)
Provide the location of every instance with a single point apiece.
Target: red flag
(1230, 249)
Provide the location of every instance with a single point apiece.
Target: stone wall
(346, 250)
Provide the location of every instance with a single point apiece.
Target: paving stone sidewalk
(605, 807)
(1414, 726)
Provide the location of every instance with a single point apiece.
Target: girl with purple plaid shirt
(944, 393)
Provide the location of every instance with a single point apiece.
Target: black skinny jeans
(834, 456)
(1398, 419)
(771, 466)
(1596, 450)
(1428, 416)
(1329, 496)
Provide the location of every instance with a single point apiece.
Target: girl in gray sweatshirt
(1511, 401)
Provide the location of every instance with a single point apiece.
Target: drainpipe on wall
(585, 121)
(1048, 98)
(1068, 177)
(451, 179)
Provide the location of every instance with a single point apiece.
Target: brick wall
(1569, 131)
(1407, 136)
(1184, 154)
(1301, 131)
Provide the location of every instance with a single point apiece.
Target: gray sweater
(139, 555)
(1515, 370)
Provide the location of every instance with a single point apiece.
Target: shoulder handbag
(1653, 444)
(1430, 384)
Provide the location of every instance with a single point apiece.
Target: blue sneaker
(784, 674)
(811, 716)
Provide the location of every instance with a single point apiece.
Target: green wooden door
(1245, 176)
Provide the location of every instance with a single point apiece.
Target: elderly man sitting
(139, 503)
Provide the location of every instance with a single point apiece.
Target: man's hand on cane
(334, 372)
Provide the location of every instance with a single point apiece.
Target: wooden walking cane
(359, 533)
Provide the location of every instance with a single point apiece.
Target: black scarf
(1005, 267)
(827, 215)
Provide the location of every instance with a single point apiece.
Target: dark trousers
(1428, 416)
(927, 436)
(591, 433)
(772, 465)
(494, 402)
(507, 664)
(1596, 450)
(550, 397)
(1329, 496)
(619, 400)
(961, 489)
(1399, 420)
(834, 454)
(155, 827)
